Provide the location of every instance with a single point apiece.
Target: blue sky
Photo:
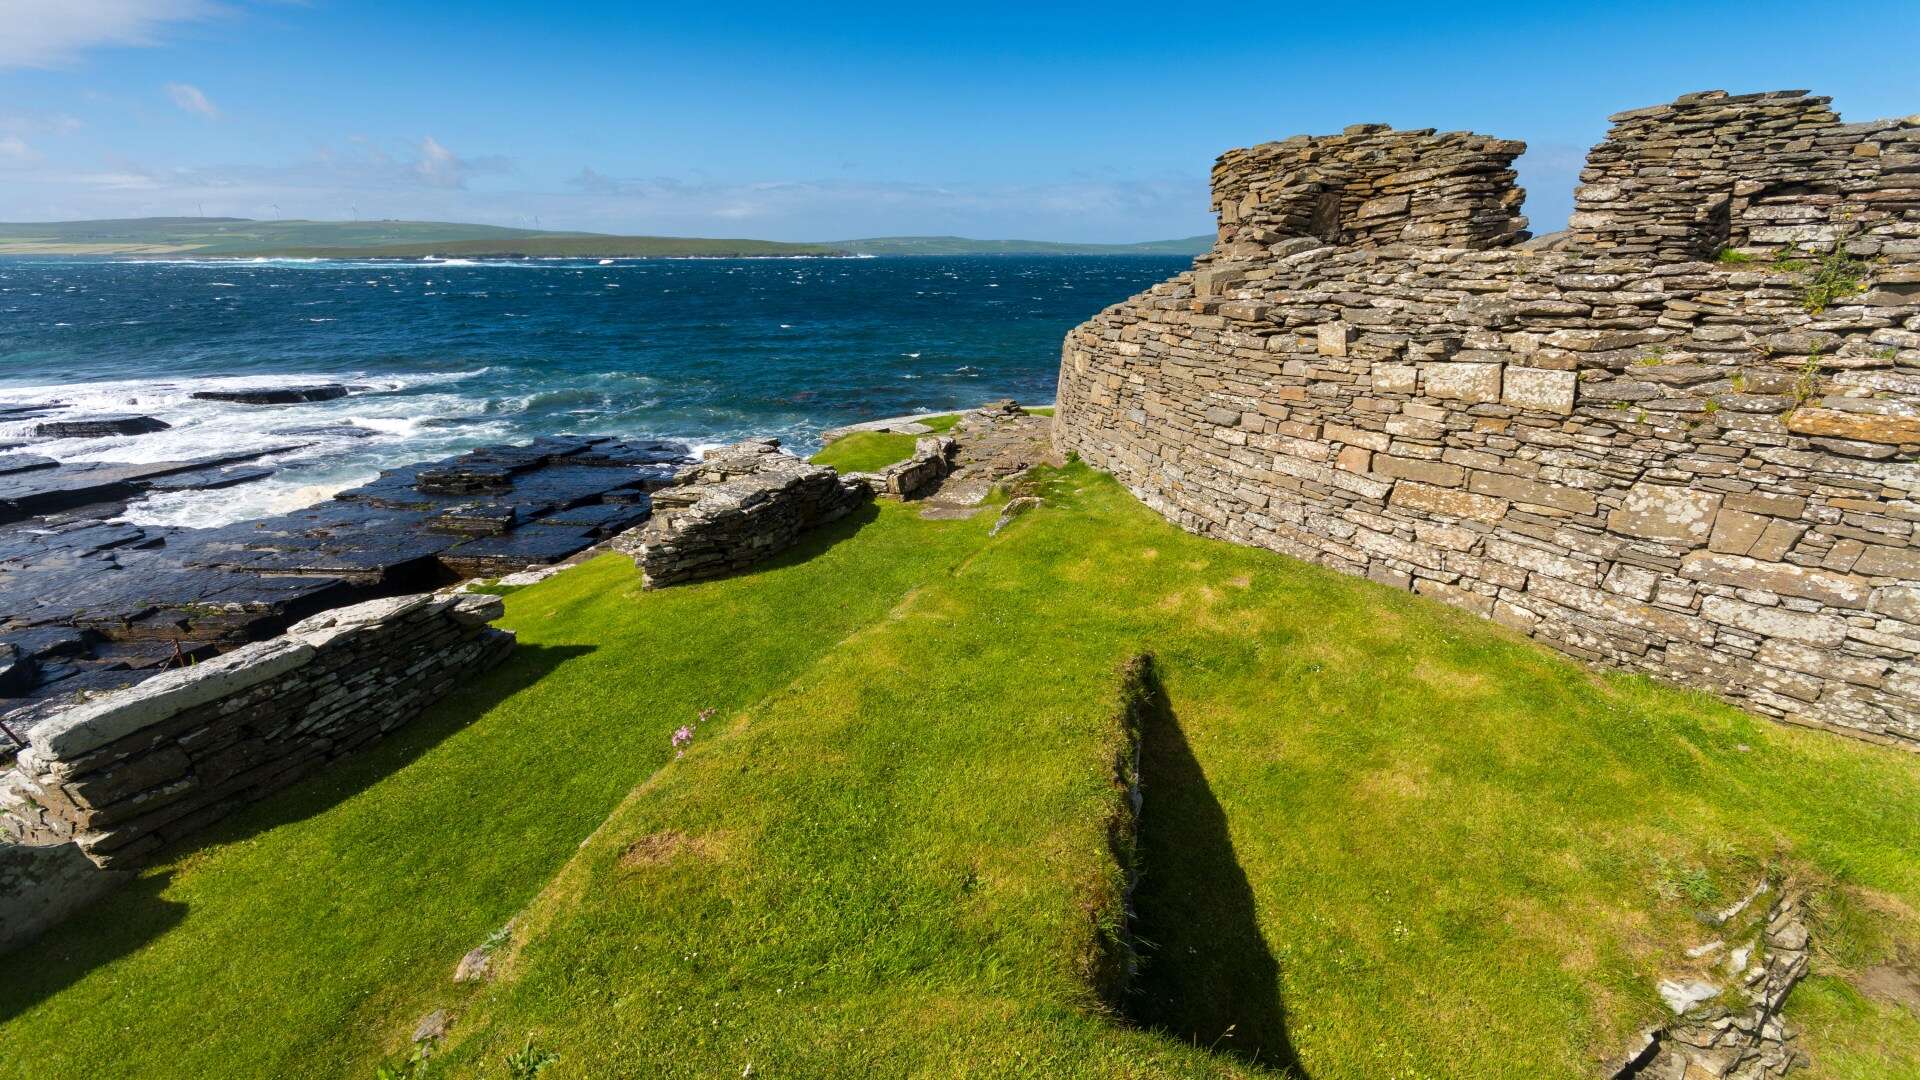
(798, 122)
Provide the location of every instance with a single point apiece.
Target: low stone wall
(125, 773)
(932, 460)
(1705, 470)
(736, 507)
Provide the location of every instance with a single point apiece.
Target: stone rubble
(996, 443)
(1728, 1024)
(1705, 470)
(736, 507)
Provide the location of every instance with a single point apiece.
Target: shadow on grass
(128, 918)
(337, 781)
(1206, 975)
(120, 923)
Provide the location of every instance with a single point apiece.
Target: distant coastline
(244, 238)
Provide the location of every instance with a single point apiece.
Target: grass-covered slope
(1379, 838)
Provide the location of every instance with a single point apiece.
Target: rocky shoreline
(89, 603)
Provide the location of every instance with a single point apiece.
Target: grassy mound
(1378, 838)
(866, 451)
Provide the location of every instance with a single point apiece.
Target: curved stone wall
(1707, 470)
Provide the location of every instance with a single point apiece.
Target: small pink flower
(682, 736)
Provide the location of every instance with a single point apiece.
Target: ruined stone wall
(1682, 181)
(737, 506)
(1370, 186)
(1686, 468)
(123, 774)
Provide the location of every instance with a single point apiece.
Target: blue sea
(458, 353)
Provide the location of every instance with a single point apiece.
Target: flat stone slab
(40, 491)
(279, 395)
(94, 427)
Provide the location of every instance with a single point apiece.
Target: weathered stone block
(1664, 512)
(1864, 427)
(1783, 578)
(1468, 382)
(1396, 378)
(1334, 338)
(1521, 490)
(1438, 473)
(1414, 495)
(1736, 532)
(1773, 622)
(1541, 389)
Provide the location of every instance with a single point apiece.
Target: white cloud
(53, 33)
(39, 124)
(15, 152)
(192, 99)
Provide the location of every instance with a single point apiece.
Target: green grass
(866, 451)
(1379, 837)
(871, 451)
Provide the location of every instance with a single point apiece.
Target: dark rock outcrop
(96, 605)
(95, 427)
(278, 395)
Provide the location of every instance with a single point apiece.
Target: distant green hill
(354, 239)
(959, 245)
(244, 237)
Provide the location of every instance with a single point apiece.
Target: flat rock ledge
(94, 427)
(736, 507)
(278, 395)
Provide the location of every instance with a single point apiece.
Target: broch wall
(1702, 469)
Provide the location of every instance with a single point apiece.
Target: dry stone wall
(1684, 180)
(123, 774)
(1706, 470)
(1371, 185)
(736, 507)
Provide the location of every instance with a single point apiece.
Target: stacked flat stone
(932, 460)
(734, 508)
(1671, 466)
(123, 774)
(1754, 171)
(1370, 186)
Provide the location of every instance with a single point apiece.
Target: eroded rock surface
(93, 427)
(736, 507)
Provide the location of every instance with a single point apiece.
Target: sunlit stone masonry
(1683, 437)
